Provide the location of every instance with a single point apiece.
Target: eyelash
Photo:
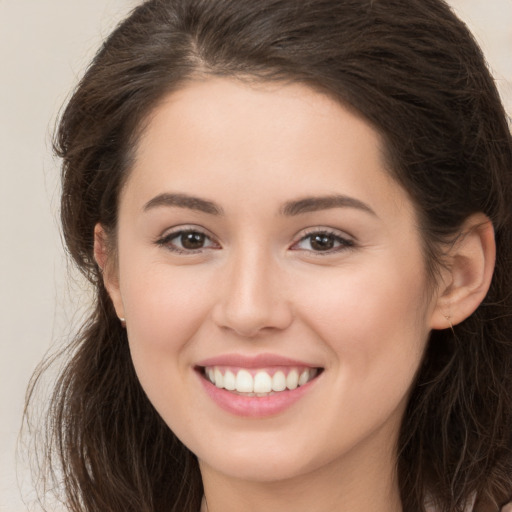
(166, 240)
(344, 243)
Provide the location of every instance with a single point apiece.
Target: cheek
(375, 322)
(160, 302)
(164, 310)
(376, 331)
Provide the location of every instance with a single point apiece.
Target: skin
(360, 311)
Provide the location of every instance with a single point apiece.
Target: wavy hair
(412, 70)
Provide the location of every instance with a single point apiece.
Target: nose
(253, 297)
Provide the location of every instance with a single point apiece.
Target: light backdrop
(44, 46)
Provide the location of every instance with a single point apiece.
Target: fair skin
(334, 287)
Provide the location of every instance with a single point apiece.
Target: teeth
(292, 381)
(261, 384)
(244, 382)
(304, 377)
(219, 379)
(279, 382)
(229, 381)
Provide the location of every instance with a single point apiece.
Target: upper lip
(258, 361)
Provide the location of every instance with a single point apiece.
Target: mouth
(258, 382)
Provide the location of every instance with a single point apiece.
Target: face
(272, 280)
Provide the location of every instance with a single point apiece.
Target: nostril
(250, 299)
(251, 322)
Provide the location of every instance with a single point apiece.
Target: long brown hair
(411, 69)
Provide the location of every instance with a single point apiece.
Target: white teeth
(229, 381)
(262, 384)
(219, 379)
(244, 382)
(278, 382)
(304, 377)
(292, 380)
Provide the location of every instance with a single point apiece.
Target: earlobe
(109, 269)
(468, 274)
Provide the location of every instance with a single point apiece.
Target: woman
(296, 217)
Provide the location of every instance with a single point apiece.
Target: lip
(249, 406)
(258, 361)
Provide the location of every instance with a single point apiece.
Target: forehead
(220, 135)
(251, 115)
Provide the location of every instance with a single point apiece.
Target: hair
(410, 68)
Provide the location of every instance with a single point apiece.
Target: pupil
(192, 240)
(322, 242)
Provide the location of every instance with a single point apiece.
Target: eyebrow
(183, 201)
(289, 209)
(313, 204)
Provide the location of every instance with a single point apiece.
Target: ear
(103, 258)
(467, 277)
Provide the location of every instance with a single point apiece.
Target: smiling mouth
(258, 382)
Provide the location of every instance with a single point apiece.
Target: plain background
(44, 47)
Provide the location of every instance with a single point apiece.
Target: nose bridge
(253, 296)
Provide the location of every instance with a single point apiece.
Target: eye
(323, 242)
(187, 241)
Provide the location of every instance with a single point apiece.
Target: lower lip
(254, 406)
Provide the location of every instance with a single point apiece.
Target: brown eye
(192, 240)
(187, 241)
(322, 242)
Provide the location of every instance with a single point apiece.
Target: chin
(259, 463)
